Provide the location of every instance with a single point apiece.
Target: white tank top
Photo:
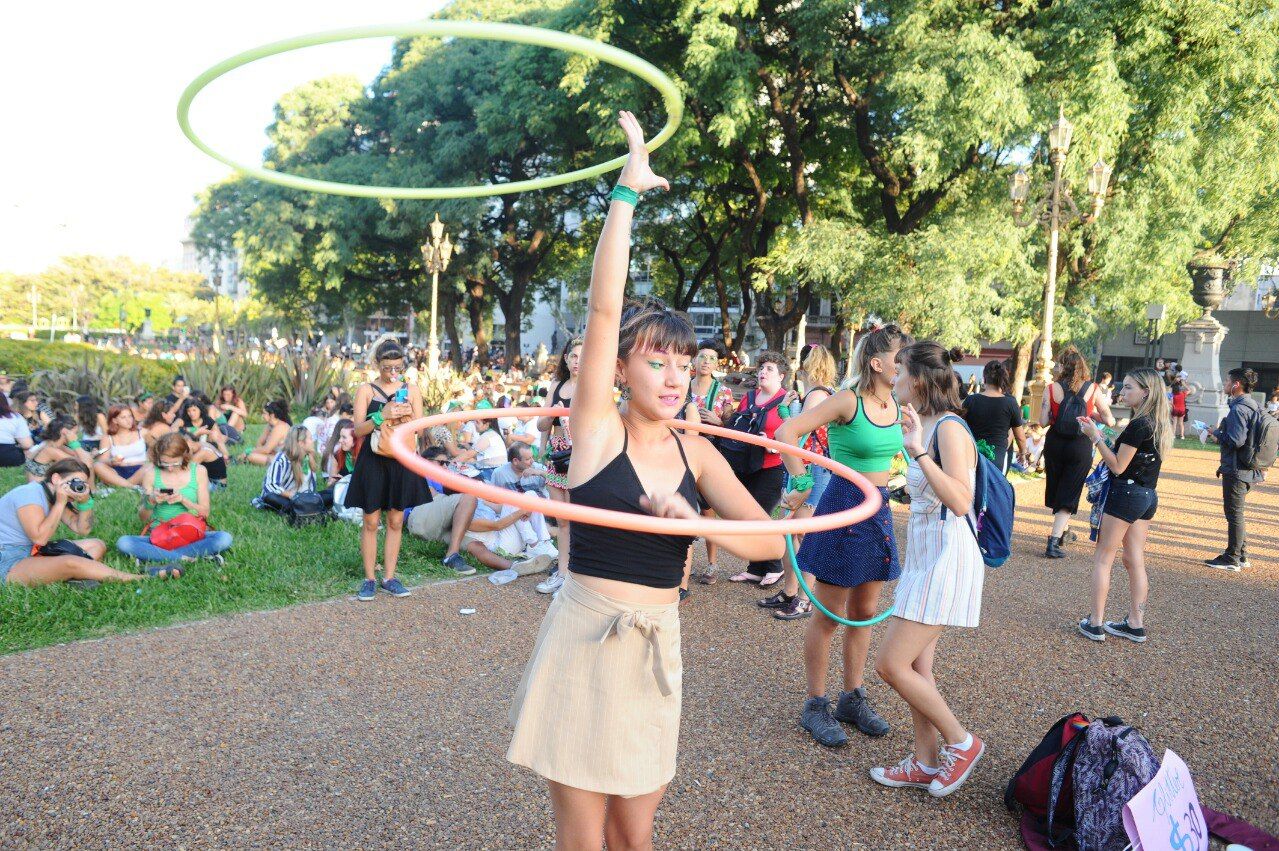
(131, 454)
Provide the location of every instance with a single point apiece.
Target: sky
(91, 157)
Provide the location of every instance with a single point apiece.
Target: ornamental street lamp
(1055, 210)
(435, 255)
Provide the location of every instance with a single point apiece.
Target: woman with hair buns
(559, 440)
(941, 579)
(1067, 450)
(597, 711)
(380, 483)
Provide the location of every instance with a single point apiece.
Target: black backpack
(1259, 451)
(1072, 406)
(746, 458)
(308, 507)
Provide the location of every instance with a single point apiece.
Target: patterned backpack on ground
(1113, 763)
(1032, 785)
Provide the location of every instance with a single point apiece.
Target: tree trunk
(837, 331)
(475, 313)
(512, 303)
(1021, 367)
(448, 313)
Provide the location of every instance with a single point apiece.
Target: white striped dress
(942, 574)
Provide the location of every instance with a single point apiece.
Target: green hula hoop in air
(817, 604)
(516, 33)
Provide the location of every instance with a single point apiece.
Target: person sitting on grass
(231, 410)
(450, 519)
(339, 454)
(292, 471)
(123, 450)
(156, 424)
(59, 441)
(278, 423)
(29, 517)
(173, 485)
(207, 440)
(15, 435)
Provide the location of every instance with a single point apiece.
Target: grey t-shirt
(11, 532)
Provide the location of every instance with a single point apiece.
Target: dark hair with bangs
(932, 368)
(649, 325)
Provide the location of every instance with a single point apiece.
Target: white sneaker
(551, 584)
(529, 566)
(545, 548)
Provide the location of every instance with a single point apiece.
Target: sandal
(165, 571)
(771, 579)
(744, 576)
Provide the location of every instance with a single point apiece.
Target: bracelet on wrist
(377, 418)
(800, 483)
(916, 458)
(624, 193)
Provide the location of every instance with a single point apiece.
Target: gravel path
(383, 725)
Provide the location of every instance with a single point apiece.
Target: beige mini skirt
(599, 704)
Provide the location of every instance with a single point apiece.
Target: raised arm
(841, 407)
(593, 411)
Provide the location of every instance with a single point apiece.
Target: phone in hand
(167, 491)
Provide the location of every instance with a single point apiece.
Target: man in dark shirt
(1236, 481)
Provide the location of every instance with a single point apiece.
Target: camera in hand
(77, 485)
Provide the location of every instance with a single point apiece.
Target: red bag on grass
(178, 532)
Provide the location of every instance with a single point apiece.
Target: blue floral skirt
(851, 555)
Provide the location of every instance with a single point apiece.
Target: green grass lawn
(269, 566)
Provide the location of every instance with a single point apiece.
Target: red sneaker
(956, 765)
(905, 773)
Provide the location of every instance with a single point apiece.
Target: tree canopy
(858, 152)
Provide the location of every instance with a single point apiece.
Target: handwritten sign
(1165, 815)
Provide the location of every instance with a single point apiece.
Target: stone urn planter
(1209, 283)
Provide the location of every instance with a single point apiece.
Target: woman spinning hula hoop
(852, 564)
(599, 719)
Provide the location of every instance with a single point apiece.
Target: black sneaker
(818, 721)
(1092, 633)
(853, 708)
(683, 594)
(1225, 562)
(777, 601)
(1121, 629)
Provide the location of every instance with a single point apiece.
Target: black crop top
(642, 558)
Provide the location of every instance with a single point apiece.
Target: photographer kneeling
(29, 516)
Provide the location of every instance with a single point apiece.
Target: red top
(771, 423)
(1089, 401)
(1179, 401)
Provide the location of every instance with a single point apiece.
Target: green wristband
(74, 444)
(800, 483)
(624, 193)
(86, 505)
(377, 418)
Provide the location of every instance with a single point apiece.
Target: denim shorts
(11, 555)
(821, 478)
(1131, 502)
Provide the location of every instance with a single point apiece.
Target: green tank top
(164, 511)
(863, 445)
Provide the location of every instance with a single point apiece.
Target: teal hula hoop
(516, 33)
(799, 574)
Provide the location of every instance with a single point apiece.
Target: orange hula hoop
(700, 527)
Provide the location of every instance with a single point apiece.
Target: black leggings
(766, 486)
(284, 505)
